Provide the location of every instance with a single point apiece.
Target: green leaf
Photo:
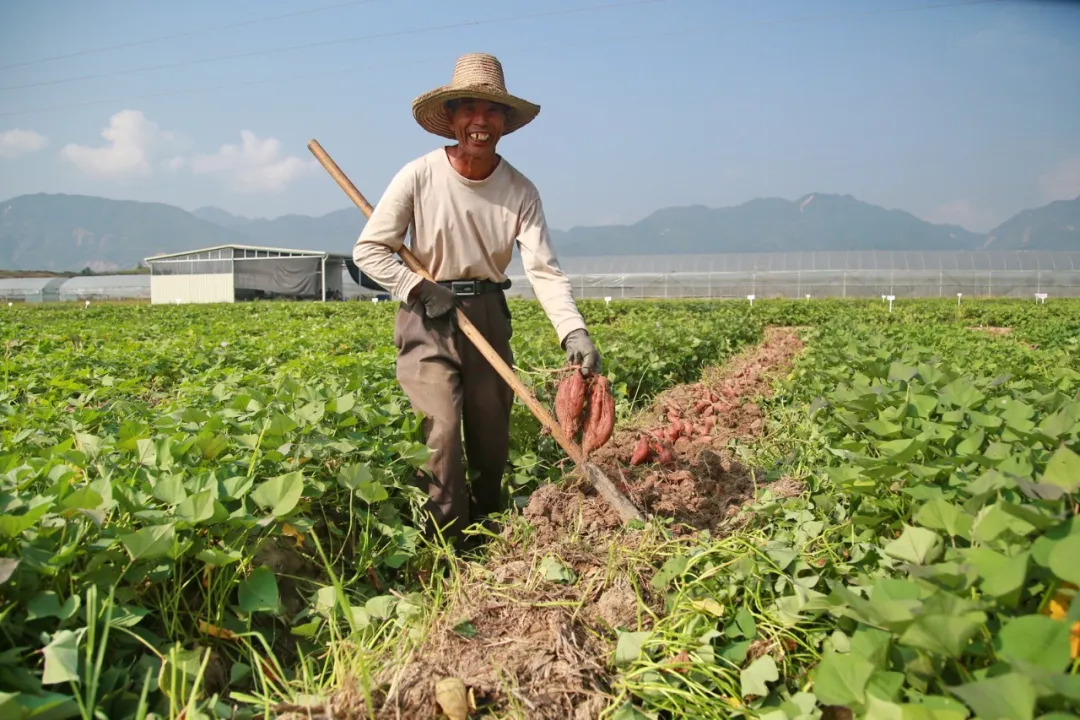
(915, 545)
(941, 514)
(872, 644)
(151, 542)
(415, 454)
(629, 647)
(1005, 697)
(280, 424)
(1037, 639)
(1003, 576)
(947, 635)
(899, 372)
(755, 678)
(627, 711)
(82, 499)
(842, 679)
(672, 568)
(380, 606)
(344, 403)
(1063, 559)
(61, 658)
(555, 571)
(280, 494)
(259, 591)
(1063, 470)
(971, 444)
(880, 709)
(961, 393)
(352, 476)
(197, 508)
(12, 525)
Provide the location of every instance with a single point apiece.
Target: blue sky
(959, 114)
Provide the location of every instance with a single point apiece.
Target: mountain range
(57, 232)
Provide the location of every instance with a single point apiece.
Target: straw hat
(476, 75)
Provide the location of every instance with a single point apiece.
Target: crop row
(928, 570)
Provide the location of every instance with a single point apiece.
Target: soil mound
(529, 634)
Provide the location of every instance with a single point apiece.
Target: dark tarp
(280, 276)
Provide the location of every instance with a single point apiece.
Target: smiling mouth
(479, 137)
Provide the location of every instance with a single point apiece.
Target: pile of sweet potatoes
(693, 423)
(587, 406)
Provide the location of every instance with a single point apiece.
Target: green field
(206, 512)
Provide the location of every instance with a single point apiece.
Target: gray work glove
(437, 299)
(581, 351)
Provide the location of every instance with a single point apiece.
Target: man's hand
(581, 351)
(437, 299)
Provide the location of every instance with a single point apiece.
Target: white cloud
(134, 143)
(1063, 181)
(257, 165)
(20, 142)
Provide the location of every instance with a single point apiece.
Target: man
(466, 206)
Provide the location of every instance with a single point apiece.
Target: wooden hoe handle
(603, 484)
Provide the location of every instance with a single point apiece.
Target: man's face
(478, 125)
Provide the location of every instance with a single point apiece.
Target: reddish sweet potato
(665, 456)
(599, 415)
(569, 402)
(641, 451)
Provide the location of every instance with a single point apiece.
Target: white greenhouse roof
(30, 285)
(875, 260)
(89, 283)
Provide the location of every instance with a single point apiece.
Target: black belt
(469, 288)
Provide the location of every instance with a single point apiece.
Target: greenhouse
(106, 287)
(856, 274)
(46, 289)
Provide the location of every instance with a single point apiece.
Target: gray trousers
(455, 388)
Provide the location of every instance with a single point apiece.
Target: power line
(519, 48)
(327, 43)
(189, 33)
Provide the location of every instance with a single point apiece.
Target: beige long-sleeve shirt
(465, 229)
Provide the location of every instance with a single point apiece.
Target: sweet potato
(569, 402)
(599, 415)
(641, 451)
(700, 406)
(665, 456)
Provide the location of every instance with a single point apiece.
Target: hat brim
(429, 109)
